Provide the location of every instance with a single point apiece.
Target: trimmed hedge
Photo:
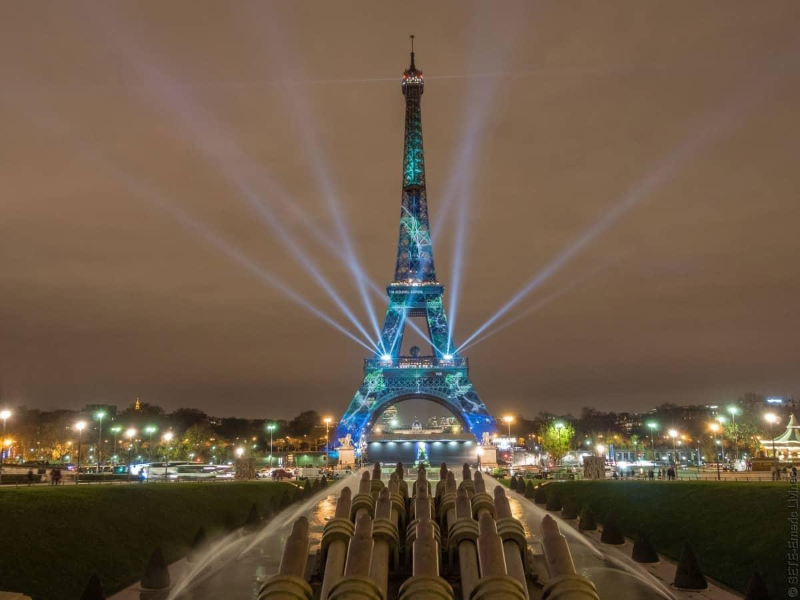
(61, 535)
(735, 529)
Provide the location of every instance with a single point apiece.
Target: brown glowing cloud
(108, 293)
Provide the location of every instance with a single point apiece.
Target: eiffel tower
(442, 376)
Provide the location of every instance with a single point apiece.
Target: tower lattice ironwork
(443, 375)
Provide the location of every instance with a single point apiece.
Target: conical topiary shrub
(756, 588)
(231, 524)
(612, 534)
(286, 499)
(530, 491)
(94, 589)
(512, 485)
(553, 500)
(569, 511)
(643, 551)
(274, 505)
(307, 489)
(587, 521)
(253, 520)
(689, 575)
(199, 545)
(156, 574)
(299, 494)
(540, 497)
(323, 483)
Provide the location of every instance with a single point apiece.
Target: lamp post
(508, 420)
(115, 430)
(270, 428)
(80, 425)
(151, 429)
(239, 452)
(652, 426)
(673, 433)
(734, 410)
(5, 414)
(327, 448)
(559, 426)
(772, 418)
(167, 437)
(721, 420)
(99, 416)
(130, 433)
(715, 428)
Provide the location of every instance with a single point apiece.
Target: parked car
(310, 473)
(280, 474)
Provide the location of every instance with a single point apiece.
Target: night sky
(640, 159)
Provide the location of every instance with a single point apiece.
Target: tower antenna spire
(412, 50)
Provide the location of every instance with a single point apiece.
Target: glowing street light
(240, 452)
(151, 429)
(772, 418)
(673, 433)
(166, 438)
(601, 449)
(5, 415)
(715, 427)
(130, 433)
(79, 426)
(271, 427)
(99, 416)
(652, 426)
(734, 410)
(116, 429)
(508, 420)
(327, 448)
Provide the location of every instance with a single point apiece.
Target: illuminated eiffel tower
(441, 376)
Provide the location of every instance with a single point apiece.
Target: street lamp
(772, 418)
(652, 426)
(673, 433)
(508, 420)
(99, 416)
(721, 420)
(240, 452)
(167, 437)
(734, 410)
(151, 429)
(4, 414)
(80, 426)
(115, 430)
(130, 434)
(270, 428)
(715, 428)
(327, 449)
(601, 450)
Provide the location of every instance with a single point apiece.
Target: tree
(304, 423)
(184, 418)
(556, 438)
(197, 438)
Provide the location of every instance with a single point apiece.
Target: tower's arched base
(383, 387)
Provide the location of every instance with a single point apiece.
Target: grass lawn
(54, 538)
(734, 528)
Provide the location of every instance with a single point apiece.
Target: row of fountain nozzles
(362, 543)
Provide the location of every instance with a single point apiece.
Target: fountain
(364, 538)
